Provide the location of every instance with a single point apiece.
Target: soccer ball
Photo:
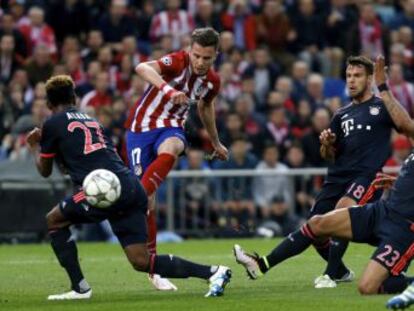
(102, 188)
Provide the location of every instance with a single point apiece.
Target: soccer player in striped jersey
(155, 134)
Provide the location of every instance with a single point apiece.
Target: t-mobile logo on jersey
(347, 126)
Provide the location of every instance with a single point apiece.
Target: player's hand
(179, 98)
(380, 74)
(327, 138)
(220, 151)
(33, 138)
(383, 181)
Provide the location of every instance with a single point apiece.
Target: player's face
(357, 80)
(202, 58)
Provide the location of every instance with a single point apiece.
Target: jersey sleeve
(48, 141)
(213, 90)
(172, 64)
(335, 125)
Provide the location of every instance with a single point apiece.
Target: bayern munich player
(155, 134)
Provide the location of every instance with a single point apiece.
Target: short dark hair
(205, 37)
(60, 90)
(361, 61)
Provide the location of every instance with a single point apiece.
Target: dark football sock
(335, 268)
(394, 285)
(294, 244)
(67, 255)
(175, 267)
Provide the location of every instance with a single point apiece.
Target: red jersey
(154, 109)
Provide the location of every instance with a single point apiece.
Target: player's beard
(360, 94)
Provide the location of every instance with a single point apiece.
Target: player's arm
(398, 114)
(151, 72)
(44, 163)
(208, 118)
(327, 149)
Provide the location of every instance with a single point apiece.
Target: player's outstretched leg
(294, 244)
(156, 280)
(171, 266)
(317, 229)
(67, 255)
(403, 300)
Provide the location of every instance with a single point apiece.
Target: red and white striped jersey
(154, 110)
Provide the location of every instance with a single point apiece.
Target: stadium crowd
(281, 65)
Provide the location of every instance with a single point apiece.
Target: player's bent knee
(367, 288)
(140, 260)
(316, 225)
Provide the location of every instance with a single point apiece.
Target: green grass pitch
(28, 273)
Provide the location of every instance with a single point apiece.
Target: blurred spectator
(264, 73)
(265, 188)
(340, 19)
(9, 60)
(233, 128)
(302, 184)
(74, 68)
(68, 17)
(300, 72)
(116, 24)
(284, 86)
(252, 122)
(37, 32)
(101, 95)
(398, 56)
(241, 22)
(40, 67)
(406, 17)
(309, 30)
(368, 36)
(87, 85)
(20, 90)
(401, 148)
(230, 83)
(236, 192)
(310, 142)
(130, 48)
(124, 75)
(238, 61)
(206, 17)
(144, 18)
(301, 122)
(280, 221)
(8, 26)
(405, 38)
(70, 45)
(314, 90)
(28, 122)
(401, 89)
(274, 29)
(278, 129)
(226, 47)
(197, 192)
(94, 43)
(172, 21)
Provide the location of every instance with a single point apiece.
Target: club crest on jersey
(374, 110)
(166, 60)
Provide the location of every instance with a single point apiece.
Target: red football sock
(152, 232)
(156, 172)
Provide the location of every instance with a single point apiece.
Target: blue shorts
(332, 192)
(392, 234)
(142, 147)
(127, 216)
